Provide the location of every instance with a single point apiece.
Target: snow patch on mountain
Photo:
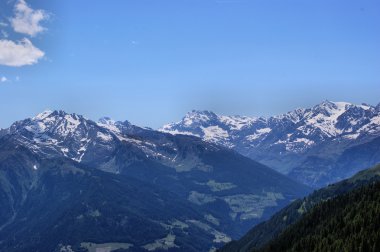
(259, 133)
(43, 115)
(109, 124)
(214, 132)
(237, 122)
(167, 129)
(104, 137)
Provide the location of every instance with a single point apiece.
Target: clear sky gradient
(150, 62)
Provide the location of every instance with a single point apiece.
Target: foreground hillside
(348, 222)
(64, 205)
(285, 218)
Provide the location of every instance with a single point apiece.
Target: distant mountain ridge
(60, 158)
(286, 142)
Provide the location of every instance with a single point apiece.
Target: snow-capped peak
(110, 124)
(49, 124)
(198, 117)
(298, 130)
(238, 122)
(106, 121)
(338, 107)
(328, 108)
(58, 115)
(60, 133)
(43, 115)
(57, 121)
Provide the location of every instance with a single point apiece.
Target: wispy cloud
(3, 79)
(26, 20)
(20, 53)
(4, 34)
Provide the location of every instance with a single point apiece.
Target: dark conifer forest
(349, 222)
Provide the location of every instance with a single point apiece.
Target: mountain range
(71, 184)
(68, 183)
(316, 146)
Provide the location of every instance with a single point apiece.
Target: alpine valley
(340, 217)
(316, 146)
(71, 184)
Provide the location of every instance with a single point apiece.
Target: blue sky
(152, 61)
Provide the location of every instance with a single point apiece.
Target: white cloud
(27, 20)
(3, 79)
(20, 53)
